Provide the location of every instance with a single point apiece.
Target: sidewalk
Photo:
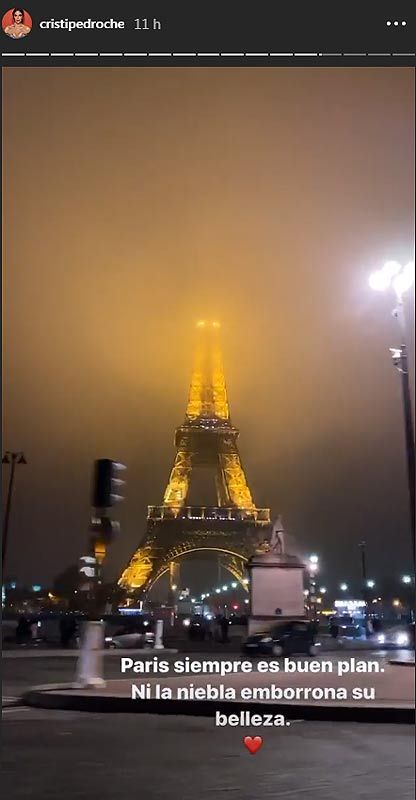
(394, 696)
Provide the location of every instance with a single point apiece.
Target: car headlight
(108, 638)
(402, 639)
(266, 639)
(381, 638)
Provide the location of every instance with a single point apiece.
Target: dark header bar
(184, 32)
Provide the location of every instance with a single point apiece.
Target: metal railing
(209, 513)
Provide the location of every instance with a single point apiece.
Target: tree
(66, 582)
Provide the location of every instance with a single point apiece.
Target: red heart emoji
(253, 743)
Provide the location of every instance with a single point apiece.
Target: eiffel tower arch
(234, 526)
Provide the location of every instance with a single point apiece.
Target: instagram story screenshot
(208, 449)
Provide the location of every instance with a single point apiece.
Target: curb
(107, 653)
(46, 698)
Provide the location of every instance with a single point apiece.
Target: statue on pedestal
(276, 543)
(276, 582)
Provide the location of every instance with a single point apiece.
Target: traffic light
(106, 483)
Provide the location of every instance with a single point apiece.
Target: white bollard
(159, 635)
(90, 659)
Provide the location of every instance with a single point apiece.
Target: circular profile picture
(16, 23)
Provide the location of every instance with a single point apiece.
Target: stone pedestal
(276, 590)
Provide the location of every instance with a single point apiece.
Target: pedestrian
(22, 631)
(210, 630)
(72, 629)
(377, 625)
(64, 632)
(334, 629)
(224, 629)
(34, 630)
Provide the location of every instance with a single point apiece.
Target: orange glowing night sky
(139, 200)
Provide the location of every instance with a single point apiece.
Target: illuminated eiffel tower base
(234, 526)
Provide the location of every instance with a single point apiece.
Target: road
(57, 754)
(63, 754)
(35, 669)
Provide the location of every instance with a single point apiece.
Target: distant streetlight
(343, 587)
(234, 584)
(371, 584)
(13, 459)
(406, 579)
(322, 590)
(224, 588)
(401, 278)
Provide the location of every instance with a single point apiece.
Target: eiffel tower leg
(174, 575)
(234, 480)
(178, 486)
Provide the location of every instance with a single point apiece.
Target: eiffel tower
(234, 526)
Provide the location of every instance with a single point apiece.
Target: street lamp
(343, 587)
(371, 584)
(401, 279)
(313, 565)
(409, 600)
(13, 459)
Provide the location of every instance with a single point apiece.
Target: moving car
(131, 636)
(346, 626)
(402, 637)
(285, 638)
(200, 628)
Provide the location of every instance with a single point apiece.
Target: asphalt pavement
(58, 754)
(67, 754)
(35, 668)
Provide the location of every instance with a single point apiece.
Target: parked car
(285, 638)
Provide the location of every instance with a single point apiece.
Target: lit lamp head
(393, 275)
(313, 564)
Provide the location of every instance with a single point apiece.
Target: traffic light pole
(105, 488)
